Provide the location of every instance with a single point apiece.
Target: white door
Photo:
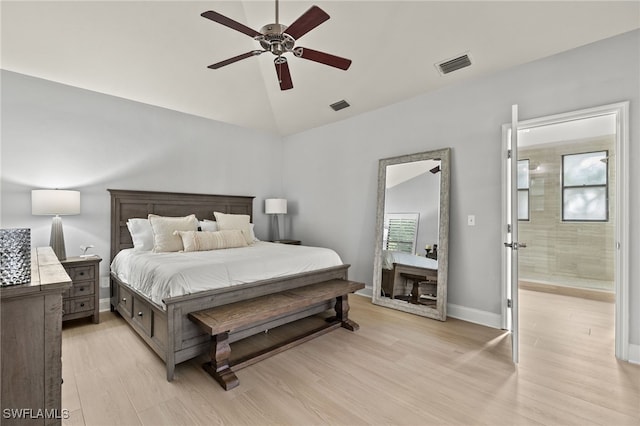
(511, 243)
(510, 218)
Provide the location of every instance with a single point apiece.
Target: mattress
(163, 275)
(390, 257)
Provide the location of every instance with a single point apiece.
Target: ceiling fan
(280, 39)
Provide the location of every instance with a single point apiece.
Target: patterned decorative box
(15, 256)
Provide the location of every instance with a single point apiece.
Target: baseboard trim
(105, 305)
(366, 292)
(475, 316)
(634, 353)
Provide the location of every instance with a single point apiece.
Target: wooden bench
(218, 322)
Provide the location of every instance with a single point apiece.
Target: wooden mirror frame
(440, 311)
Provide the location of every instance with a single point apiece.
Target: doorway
(575, 231)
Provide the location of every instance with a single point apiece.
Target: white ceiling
(157, 52)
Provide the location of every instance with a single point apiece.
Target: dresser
(31, 344)
(83, 298)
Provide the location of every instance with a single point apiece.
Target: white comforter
(163, 275)
(390, 257)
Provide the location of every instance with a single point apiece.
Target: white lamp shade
(275, 206)
(55, 202)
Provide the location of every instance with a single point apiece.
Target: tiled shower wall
(576, 254)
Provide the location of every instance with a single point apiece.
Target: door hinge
(508, 153)
(509, 304)
(508, 228)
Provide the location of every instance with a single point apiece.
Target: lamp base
(56, 241)
(275, 228)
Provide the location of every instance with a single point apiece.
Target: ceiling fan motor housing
(275, 40)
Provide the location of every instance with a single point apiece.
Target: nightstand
(83, 298)
(292, 242)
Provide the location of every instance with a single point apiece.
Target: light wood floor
(397, 369)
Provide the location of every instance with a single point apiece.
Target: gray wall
(57, 136)
(418, 195)
(331, 171)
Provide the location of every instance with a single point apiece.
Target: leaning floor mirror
(412, 230)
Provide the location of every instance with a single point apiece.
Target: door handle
(516, 245)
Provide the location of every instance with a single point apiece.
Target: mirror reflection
(411, 255)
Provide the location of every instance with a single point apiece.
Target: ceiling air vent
(454, 64)
(339, 105)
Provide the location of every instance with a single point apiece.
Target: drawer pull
(81, 288)
(82, 305)
(140, 313)
(81, 273)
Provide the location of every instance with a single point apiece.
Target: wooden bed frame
(169, 332)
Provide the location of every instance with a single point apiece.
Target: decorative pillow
(208, 225)
(235, 221)
(141, 234)
(206, 240)
(164, 227)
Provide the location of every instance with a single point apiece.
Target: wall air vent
(454, 64)
(339, 105)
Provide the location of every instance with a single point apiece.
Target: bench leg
(219, 367)
(342, 313)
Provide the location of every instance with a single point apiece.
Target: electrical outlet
(471, 220)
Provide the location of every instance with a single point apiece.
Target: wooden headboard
(127, 204)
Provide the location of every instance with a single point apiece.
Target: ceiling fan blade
(228, 22)
(308, 21)
(284, 76)
(235, 59)
(323, 58)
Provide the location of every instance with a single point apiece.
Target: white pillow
(253, 234)
(164, 227)
(141, 234)
(206, 240)
(208, 225)
(235, 221)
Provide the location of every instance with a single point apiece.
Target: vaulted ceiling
(157, 52)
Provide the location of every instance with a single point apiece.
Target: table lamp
(55, 202)
(274, 207)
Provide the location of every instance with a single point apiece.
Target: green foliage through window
(585, 181)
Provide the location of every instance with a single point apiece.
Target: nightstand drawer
(82, 289)
(83, 298)
(80, 304)
(78, 273)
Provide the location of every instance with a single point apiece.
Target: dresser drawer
(142, 315)
(80, 304)
(79, 273)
